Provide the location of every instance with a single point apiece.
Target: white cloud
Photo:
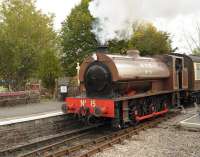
(61, 8)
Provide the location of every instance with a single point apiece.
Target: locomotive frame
(174, 81)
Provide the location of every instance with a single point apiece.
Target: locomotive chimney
(102, 49)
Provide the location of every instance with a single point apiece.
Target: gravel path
(163, 141)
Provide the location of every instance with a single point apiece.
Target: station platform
(22, 113)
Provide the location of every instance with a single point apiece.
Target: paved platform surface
(191, 122)
(14, 112)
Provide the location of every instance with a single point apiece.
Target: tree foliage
(77, 39)
(196, 51)
(118, 46)
(49, 69)
(146, 38)
(149, 41)
(26, 36)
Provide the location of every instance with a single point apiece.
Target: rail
(101, 143)
(46, 145)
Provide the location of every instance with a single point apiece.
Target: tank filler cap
(133, 53)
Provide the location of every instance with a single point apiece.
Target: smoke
(114, 18)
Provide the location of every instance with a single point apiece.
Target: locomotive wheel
(116, 125)
(91, 120)
(134, 113)
(152, 108)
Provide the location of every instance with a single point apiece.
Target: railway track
(44, 145)
(87, 141)
(88, 148)
(118, 138)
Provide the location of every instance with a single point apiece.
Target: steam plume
(114, 18)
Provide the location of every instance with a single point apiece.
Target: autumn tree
(26, 36)
(196, 51)
(49, 69)
(77, 39)
(146, 38)
(118, 46)
(150, 41)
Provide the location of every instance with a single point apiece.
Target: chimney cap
(102, 49)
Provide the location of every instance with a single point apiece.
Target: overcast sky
(180, 22)
(61, 8)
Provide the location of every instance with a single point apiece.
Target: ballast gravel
(166, 140)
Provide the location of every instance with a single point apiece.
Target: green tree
(25, 36)
(118, 46)
(77, 39)
(49, 69)
(149, 41)
(196, 51)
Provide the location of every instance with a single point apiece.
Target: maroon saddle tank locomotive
(129, 88)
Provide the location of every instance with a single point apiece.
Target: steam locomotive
(127, 89)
